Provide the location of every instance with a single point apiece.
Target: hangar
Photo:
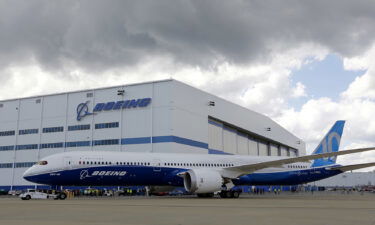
(161, 116)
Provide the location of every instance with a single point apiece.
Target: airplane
(201, 174)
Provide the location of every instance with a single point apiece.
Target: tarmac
(284, 209)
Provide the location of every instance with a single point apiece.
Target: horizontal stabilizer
(352, 167)
(237, 171)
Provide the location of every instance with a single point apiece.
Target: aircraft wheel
(236, 194)
(62, 196)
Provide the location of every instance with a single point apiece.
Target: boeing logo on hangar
(83, 110)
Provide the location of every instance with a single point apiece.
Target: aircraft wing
(237, 171)
(352, 167)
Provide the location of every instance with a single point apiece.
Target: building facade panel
(230, 140)
(6, 176)
(274, 150)
(253, 147)
(54, 106)
(263, 149)
(283, 151)
(215, 132)
(30, 108)
(242, 144)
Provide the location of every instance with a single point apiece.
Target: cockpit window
(42, 163)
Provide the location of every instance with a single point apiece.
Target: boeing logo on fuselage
(83, 110)
(108, 173)
(85, 173)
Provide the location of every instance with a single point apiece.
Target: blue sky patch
(326, 78)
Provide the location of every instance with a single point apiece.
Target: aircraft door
(157, 165)
(68, 163)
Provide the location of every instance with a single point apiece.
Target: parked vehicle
(14, 192)
(34, 194)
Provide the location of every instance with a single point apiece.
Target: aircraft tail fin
(330, 143)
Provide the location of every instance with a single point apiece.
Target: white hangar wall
(178, 119)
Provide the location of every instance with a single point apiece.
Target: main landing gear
(205, 195)
(230, 194)
(222, 194)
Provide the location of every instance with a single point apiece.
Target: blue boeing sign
(83, 109)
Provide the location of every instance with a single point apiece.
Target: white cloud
(299, 91)
(363, 86)
(356, 105)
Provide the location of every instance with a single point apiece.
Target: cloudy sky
(305, 64)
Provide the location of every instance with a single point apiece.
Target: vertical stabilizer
(330, 143)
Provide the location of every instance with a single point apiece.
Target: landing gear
(205, 195)
(62, 196)
(229, 194)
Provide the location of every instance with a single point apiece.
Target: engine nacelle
(202, 181)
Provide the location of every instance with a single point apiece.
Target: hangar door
(215, 135)
(226, 138)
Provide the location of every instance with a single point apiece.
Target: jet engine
(202, 181)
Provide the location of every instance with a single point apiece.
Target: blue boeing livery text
(83, 110)
(127, 104)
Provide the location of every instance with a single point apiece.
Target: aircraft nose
(27, 174)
